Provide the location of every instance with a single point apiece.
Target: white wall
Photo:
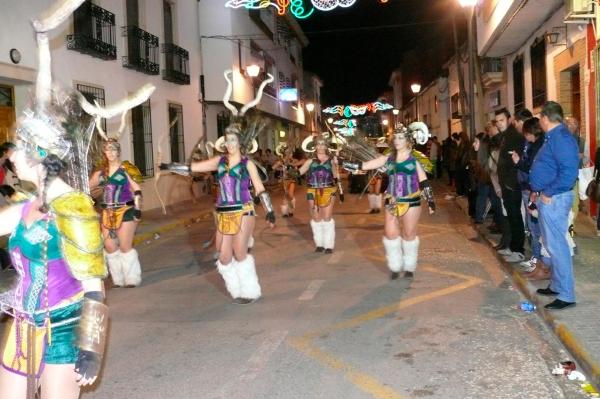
(487, 30)
(70, 67)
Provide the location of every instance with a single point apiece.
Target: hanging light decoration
(300, 9)
(349, 111)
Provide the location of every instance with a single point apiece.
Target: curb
(141, 238)
(587, 364)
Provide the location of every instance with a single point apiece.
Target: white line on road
(335, 258)
(311, 291)
(254, 365)
(261, 356)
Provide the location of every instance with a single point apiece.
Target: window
(141, 122)
(538, 72)
(518, 83)
(176, 133)
(92, 94)
(455, 106)
(222, 123)
(94, 32)
(168, 21)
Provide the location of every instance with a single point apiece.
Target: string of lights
(356, 110)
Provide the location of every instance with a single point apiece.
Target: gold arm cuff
(92, 329)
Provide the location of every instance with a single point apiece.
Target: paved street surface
(329, 326)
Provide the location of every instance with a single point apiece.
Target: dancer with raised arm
(407, 184)
(235, 207)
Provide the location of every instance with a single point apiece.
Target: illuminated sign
(288, 94)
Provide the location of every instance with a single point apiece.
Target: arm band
(427, 193)
(93, 324)
(265, 200)
(137, 199)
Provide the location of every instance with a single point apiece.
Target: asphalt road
(329, 326)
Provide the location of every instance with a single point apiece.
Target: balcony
(142, 50)
(177, 64)
(491, 71)
(94, 32)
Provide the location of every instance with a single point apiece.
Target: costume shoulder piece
(132, 171)
(423, 160)
(79, 228)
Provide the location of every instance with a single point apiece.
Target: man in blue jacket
(553, 174)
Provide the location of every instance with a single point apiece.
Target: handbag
(593, 189)
(586, 176)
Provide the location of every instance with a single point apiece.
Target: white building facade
(107, 50)
(236, 38)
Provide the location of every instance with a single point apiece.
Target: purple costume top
(234, 183)
(117, 189)
(26, 245)
(403, 177)
(320, 175)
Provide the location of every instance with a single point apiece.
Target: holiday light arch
(349, 111)
(300, 9)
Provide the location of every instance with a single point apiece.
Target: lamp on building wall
(330, 120)
(310, 107)
(253, 70)
(416, 89)
(553, 36)
(282, 133)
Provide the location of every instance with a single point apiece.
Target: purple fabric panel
(61, 285)
(126, 192)
(403, 184)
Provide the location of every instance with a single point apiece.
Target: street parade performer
(235, 207)
(56, 338)
(323, 185)
(290, 176)
(406, 170)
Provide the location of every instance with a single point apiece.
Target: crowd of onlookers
(523, 172)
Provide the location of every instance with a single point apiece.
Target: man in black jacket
(511, 141)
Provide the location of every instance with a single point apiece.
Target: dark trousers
(512, 203)
(483, 192)
(461, 181)
(439, 169)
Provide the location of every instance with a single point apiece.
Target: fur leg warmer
(246, 271)
(371, 198)
(292, 205)
(377, 201)
(115, 266)
(411, 254)
(317, 231)
(232, 280)
(132, 270)
(393, 254)
(328, 234)
(285, 210)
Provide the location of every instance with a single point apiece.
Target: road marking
(364, 381)
(261, 356)
(335, 258)
(311, 291)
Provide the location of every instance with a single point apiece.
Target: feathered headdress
(246, 128)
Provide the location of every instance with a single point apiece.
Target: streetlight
(416, 88)
(395, 112)
(469, 6)
(330, 120)
(253, 70)
(310, 107)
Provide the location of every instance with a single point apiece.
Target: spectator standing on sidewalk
(511, 141)
(534, 139)
(597, 174)
(553, 174)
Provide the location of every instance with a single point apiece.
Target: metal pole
(417, 107)
(471, 74)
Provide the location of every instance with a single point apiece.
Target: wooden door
(7, 113)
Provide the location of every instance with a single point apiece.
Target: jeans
(554, 223)
(499, 218)
(512, 203)
(533, 226)
(483, 192)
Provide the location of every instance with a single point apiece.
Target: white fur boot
(377, 201)
(132, 270)
(231, 278)
(292, 205)
(393, 254)
(115, 266)
(328, 235)
(285, 210)
(371, 203)
(246, 271)
(250, 243)
(411, 254)
(317, 230)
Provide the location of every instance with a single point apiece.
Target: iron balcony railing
(177, 64)
(142, 50)
(491, 65)
(94, 32)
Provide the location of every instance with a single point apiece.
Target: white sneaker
(514, 257)
(529, 265)
(505, 252)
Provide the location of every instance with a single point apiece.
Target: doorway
(7, 113)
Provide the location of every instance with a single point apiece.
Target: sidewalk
(578, 328)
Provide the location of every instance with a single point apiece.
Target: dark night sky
(355, 63)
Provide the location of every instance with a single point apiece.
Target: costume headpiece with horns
(416, 132)
(333, 141)
(247, 129)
